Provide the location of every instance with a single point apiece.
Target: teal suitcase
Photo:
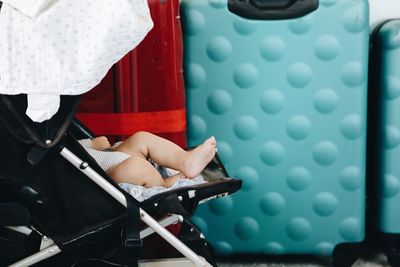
(384, 127)
(283, 88)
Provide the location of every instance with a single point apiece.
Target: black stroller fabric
(63, 202)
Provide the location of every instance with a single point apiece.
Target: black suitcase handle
(272, 9)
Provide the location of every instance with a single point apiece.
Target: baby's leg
(171, 180)
(168, 154)
(136, 170)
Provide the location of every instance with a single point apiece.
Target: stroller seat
(183, 200)
(52, 187)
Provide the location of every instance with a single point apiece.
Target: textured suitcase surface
(147, 82)
(387, 65)
(286, 100)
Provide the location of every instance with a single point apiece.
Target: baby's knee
(141, 134)
(136, 142)
(139, 137)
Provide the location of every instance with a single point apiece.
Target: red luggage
(145, 90)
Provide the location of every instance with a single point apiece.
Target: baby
(129, 161)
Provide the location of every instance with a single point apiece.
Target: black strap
(132, 244)
(171, 204)
(36, 154)
(130, 250)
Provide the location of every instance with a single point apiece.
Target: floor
(371, 251)
(360, 263)
(376, 260)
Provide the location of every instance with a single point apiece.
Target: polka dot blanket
(50, 48)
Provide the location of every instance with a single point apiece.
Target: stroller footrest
(14, 214)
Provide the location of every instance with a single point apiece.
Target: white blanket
(30, 8)
(50, 48)
(142, 193)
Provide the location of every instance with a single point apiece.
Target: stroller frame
(51, 250)
(118, 210)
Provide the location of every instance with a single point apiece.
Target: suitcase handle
(272, 9)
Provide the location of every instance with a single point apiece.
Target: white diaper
(107, 159)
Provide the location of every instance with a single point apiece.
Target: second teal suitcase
(286, 99)
(385, 133)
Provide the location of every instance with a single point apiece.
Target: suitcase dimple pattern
(389, 36)
(286, 101)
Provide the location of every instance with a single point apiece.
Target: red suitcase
(145, 90)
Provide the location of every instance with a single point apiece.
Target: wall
(384, 9)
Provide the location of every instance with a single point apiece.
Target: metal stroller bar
(20, 229)
(144, 216)
(48, 249)
(164, 223)
(37, 257)
(173, 219)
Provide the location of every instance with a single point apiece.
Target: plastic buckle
(133, 244)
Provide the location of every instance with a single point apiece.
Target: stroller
(59, 208)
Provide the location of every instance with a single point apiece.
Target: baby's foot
(199, 158)
(170, 181)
